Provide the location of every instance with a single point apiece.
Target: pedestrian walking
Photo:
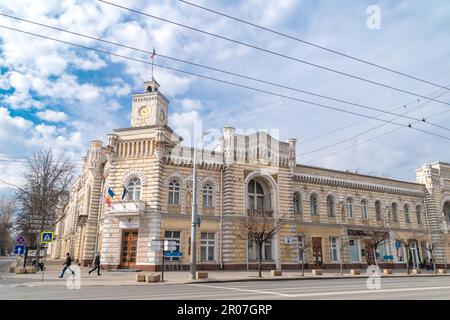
(96, 264)
(67, 265)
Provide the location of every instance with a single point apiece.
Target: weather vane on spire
(153, 57)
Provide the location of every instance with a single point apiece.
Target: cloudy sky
(52, 94)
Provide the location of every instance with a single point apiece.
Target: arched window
(256, 198)
(364, 210)
(134, 189)
(378, 210)
(207, 196)
(394, 212)
(313, 205)
(349, 204)
(419, 214)
(174, 192)
(330, 206)
(297, 203)
(446, 210)
(407, 217)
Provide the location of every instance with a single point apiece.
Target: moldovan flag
(111, 193)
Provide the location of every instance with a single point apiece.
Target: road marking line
(366, 291)
(245, 290)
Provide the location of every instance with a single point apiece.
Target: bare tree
(406, 240)
(43, 193)
(375, 236)
(7, 210)
(259, 227)
(302, 249)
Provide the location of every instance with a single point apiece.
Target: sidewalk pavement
(127, 278)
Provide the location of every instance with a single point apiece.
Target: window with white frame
(349, 204)
(419, 214)
(174, 192)
(207, 196)
(407, 217)
(173, 236)
(207, 246)
(364, 210)
(378, 210)
(334, 249)
(253, 250)
(297, 203)
(330, 206)
(134, 189)
(256, 198)
(313, 205)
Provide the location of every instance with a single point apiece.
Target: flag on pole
(125, 192)
(111, 193)
(153, 54)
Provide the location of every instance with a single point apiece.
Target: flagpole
(153, 58)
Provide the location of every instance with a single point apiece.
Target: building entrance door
(317, 252)
(129, 248)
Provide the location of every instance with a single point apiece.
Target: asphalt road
(5, 262)
(346, 289)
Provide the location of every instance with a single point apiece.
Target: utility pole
(194, 218)
(38, 246)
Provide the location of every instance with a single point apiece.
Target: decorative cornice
(352, 184)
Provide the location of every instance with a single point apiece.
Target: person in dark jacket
(67, 264)
(96, 264)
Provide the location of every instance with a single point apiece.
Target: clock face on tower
(144, 111)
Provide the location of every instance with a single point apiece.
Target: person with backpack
(67, 265)
(96, 264)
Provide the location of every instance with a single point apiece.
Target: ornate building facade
(331, 213)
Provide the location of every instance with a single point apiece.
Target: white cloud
(52, 116)
(190, 104)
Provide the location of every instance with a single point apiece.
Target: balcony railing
(260, 212)
(126, 208)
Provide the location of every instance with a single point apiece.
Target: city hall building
(329, 212)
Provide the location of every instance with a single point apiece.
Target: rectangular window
(174, 236)
(207, 246)
(333, 249)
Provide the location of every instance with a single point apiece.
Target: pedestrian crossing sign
(47, 236)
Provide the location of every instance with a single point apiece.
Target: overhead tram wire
(368, 140)
(359, 134)
(226, 82)
(313, 44)
(275, 53)
(354, 136)
(225, 71)
(348, 125)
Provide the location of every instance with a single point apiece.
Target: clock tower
(150, 108)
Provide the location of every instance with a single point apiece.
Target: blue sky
(55, 95)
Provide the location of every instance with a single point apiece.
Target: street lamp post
(444, 232)
(194, 218)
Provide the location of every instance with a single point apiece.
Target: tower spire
(153, 58)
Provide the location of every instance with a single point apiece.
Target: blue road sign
(173, 254)
(388, 257)
(47, 236)
(19, 249)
